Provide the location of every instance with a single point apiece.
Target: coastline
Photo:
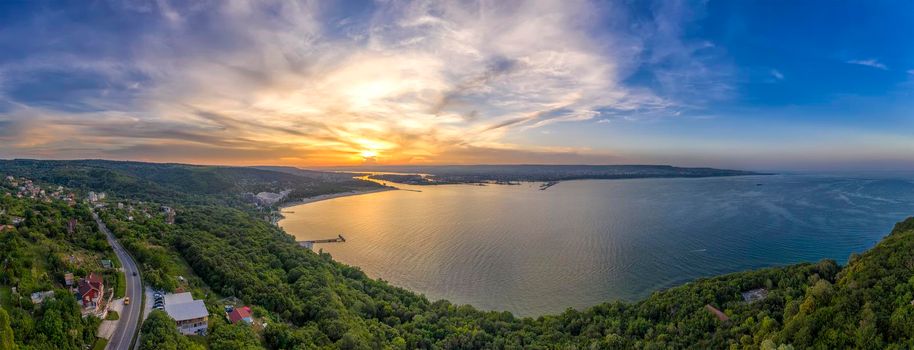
(324, 197)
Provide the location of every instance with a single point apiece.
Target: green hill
(312, 301)
(174, 183)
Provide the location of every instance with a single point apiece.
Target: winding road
(128, 324)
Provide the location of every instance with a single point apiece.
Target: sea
(580, 243)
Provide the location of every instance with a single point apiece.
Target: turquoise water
(581, 243)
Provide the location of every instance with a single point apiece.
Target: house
(269, 198)
(107, 264)
(39, 297)
(90, 291)
(190, 315)
(240, 314)
(68, 279)
(754, 295)
(721, 316)
(6, 227)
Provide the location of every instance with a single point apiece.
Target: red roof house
(240, 314)
(90, 291)
(719, 314)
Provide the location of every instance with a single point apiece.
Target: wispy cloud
(273, 81)
(869, 63)
(777, 74)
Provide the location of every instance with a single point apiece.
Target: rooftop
(186, 311)
(239, 314)
(755, 295)
(178, 298)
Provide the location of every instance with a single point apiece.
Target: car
(134, 273)
(127, 301)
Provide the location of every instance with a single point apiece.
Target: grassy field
(121, 289)
(100, 344)
(112, 316)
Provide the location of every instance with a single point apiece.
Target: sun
(368, 154)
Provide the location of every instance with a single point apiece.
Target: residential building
(721, 316)
(90, 291)
(190, 315)
(240, 314)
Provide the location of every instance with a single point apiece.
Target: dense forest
(225, 249)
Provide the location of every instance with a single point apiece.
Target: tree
(233, 337)
(161, 333)
(6, 332)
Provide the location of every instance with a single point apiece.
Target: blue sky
(774, 85)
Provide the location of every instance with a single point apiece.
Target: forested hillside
(43, 238)
(311, 301)
(174, 183)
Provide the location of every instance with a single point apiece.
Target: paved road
(130, 315)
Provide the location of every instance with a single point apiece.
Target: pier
(310, 244)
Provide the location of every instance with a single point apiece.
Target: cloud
(777, 74)
(869, 63)
(319, 84)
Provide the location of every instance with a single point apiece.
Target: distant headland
(510, 174)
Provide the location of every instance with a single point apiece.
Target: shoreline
(278, 216)
(324, 197)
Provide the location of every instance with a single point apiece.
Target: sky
(759, 85)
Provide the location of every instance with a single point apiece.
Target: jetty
(309, 244)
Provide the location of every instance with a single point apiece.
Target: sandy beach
(331, 196)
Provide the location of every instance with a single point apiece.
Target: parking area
(157, 300)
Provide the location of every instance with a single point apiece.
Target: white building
(190, 315)
(270, 198)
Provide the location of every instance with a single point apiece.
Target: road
(129, 318)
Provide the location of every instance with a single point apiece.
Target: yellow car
(127, 301)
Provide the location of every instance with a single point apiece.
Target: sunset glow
(398, 82)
